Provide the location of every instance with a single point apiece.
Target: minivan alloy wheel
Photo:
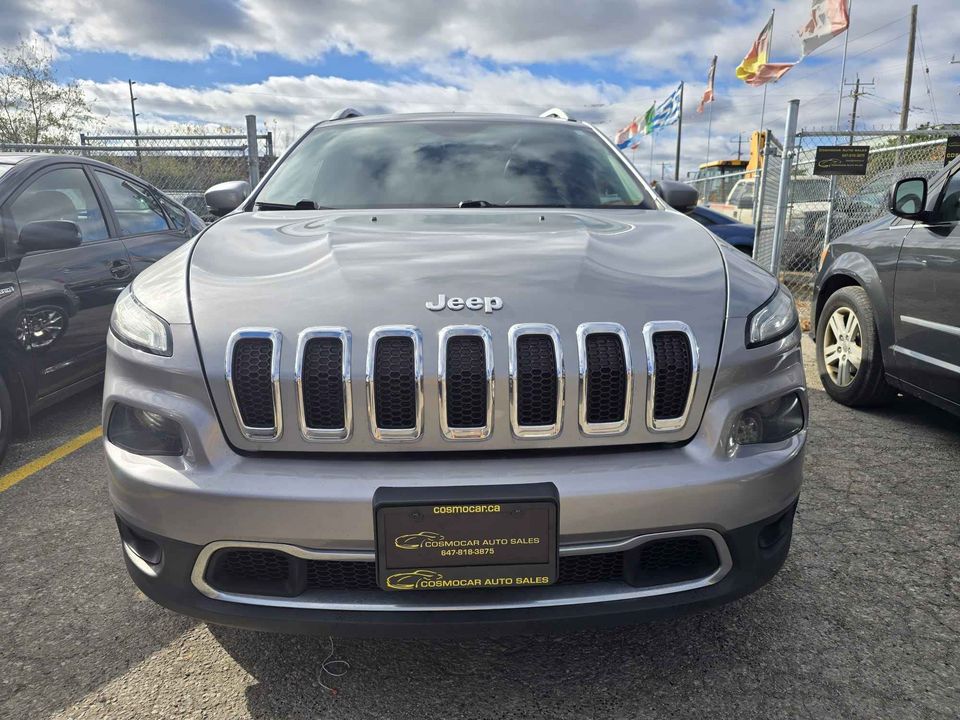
(842, 346)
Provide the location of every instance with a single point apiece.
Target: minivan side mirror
(49, 235)
(678, 195)
(226, 197)
(908, 199)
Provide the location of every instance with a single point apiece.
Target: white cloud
(474, 55)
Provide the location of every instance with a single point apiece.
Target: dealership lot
(862, 621)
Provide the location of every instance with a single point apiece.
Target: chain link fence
(821, 208)
(182, 166)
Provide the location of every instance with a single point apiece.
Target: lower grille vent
(257, 571)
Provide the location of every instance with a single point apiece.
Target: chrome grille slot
(395, 383)
(253, 379)
(323, 384)
(536, 381)
(466, 378)
(606, 379)
(673, 363)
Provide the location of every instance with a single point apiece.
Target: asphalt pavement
(862, 622)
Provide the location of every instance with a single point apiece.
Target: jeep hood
(363, 269)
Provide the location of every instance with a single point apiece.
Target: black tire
(6, 418)
(868, 387)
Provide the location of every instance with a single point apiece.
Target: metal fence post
(253, 161)
(759, 183)
(269, 143)
(779, 228)
(83, 143)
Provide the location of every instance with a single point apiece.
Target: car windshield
(452, 163)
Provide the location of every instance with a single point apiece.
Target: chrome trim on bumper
(378, 600)
(649, 330)
(477, 433)
(270, 434)
(608, 428)
(326, 434)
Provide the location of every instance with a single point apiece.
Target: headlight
(773, 320)
(136, 326)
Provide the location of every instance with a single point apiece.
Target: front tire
(848, 351)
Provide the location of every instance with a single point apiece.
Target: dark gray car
(887, 313)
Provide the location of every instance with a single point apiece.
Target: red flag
(755, 70)
(708, 93)
(828, 18)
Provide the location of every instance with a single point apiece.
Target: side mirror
(678, 195)
(49, 235)
(226, 196)
(745, 202)
(908, 199)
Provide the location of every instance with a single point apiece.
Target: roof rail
(345, 113)
(555, 113)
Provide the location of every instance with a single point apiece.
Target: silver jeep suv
(442, 374)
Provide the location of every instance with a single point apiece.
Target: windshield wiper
(302, 205)
(476, 204)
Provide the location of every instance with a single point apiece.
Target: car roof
(451, 117)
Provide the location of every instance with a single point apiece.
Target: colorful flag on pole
(828, 18)
(667, 112)
(644, 125)
(756, 69)
(708, 93)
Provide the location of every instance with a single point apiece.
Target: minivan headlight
(138, 327)
(773, 320)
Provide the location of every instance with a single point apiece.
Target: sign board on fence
(953, 149)
(841, 160)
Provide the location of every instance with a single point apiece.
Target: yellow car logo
(415, 541)
(411, 580)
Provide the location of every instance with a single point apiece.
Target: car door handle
(120, 269)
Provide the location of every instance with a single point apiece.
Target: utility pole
(908, 74)
(856, 94)
(136, 132)
(740, 145)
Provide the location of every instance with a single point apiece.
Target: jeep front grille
(253, 378)
(465, 370)
(536, 378)
(466, 382)
(672, 366)
(323, 384)
(606, 378)
(395, 383)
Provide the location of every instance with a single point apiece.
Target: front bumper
(324, 503)
(757, 552)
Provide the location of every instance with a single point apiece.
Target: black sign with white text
(841, 160)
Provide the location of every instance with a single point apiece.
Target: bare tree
(34, 107)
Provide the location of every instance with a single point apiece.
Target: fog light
(770, 422)
(144, 432)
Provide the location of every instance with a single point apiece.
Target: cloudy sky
(292, 62)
